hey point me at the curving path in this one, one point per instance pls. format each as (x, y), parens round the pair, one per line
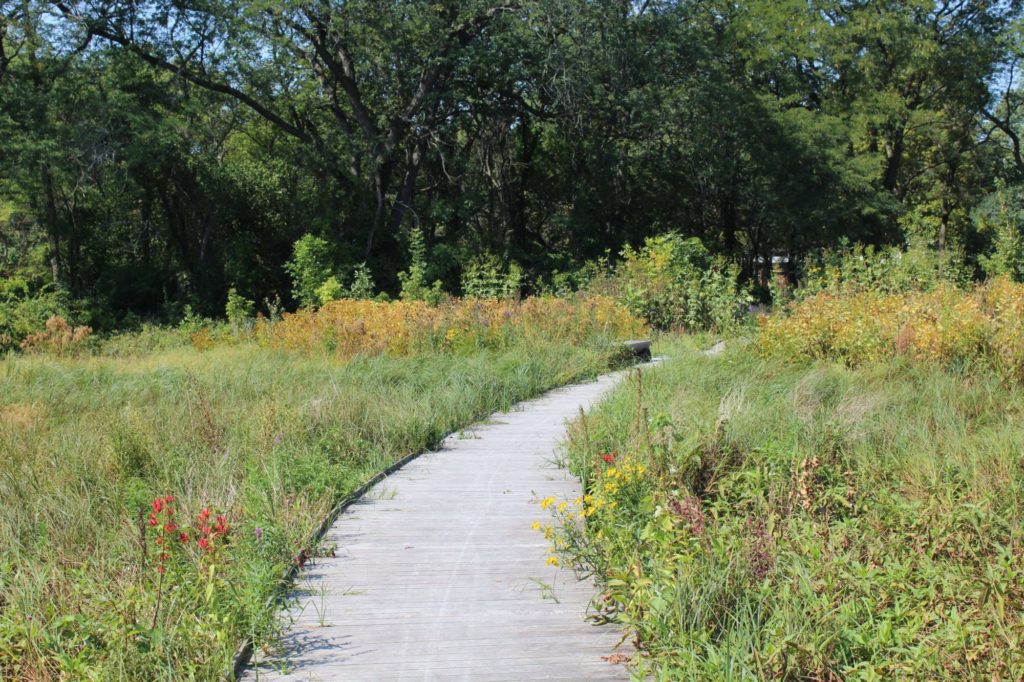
(439, 575)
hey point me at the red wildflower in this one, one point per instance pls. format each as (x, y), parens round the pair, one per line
(152, 520)
(204, 544)
(158, 505)
(170, 528)
(159, 569)
(608, 458)
(221, 526)
(183, 538)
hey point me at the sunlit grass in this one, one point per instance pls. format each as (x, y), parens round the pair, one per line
(808, 521)
(270, 439)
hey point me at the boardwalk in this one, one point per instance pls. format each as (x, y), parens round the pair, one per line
(439, 575)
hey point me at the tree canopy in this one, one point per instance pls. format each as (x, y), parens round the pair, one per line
(156, 154)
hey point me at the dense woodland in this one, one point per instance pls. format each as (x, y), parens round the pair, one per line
(154, 155)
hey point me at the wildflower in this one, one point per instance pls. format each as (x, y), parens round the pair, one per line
(552, 561)
(152, 520)
(608, 458)
(547, 502)
(259, 534)
(183, 538)
(536, 525)
(204, 544)
(562, 506)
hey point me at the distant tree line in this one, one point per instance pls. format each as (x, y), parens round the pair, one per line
(156, 154)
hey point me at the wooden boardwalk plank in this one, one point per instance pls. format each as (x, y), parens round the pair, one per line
(438, 574)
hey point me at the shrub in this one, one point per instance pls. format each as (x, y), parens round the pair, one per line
(330, 290)
(58, 337)
(22, 313)
(362, 285)
(485, 277)
(414, 280)
(673, 282)
(309, 267)
(240, 311)
(889, 270)
(943, 326)
(1000, 216)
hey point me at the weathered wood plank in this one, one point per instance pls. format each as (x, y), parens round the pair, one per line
(438, 574)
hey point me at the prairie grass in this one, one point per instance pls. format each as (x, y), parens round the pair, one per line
(93, 581)
(751, 518)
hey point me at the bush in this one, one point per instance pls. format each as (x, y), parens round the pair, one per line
(485, 277)
(888, 270)
(58, 337)
(330, 290)
(362, 285)
(674, 282)
(240, 311)
(22, 314)
(309, 267)
(1000, 216)
(414, 280)
(945, 326)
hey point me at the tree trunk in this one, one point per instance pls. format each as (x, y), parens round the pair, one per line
(52, 228)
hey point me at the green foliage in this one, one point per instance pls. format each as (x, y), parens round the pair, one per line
(362, 285)
(674, 282)
(239, 310)
(330, 290)
(486, 277)
(269, 440)
(309, 267)
(414, 280)
(145, 186)
(806, 521)
(22, 313)
(1000, 217)
(887, 270)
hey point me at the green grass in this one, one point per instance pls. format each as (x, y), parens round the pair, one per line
(270, 440)
(808, 521)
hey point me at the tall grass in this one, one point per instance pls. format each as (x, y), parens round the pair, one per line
(807, 521)
(268, 439)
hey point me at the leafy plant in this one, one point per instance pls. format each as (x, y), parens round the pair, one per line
(674, 282)
(239, 310)
(414, 280)
(748, 518)
(330, 290)
(362, 285)
(309, 267)
(486, 277)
